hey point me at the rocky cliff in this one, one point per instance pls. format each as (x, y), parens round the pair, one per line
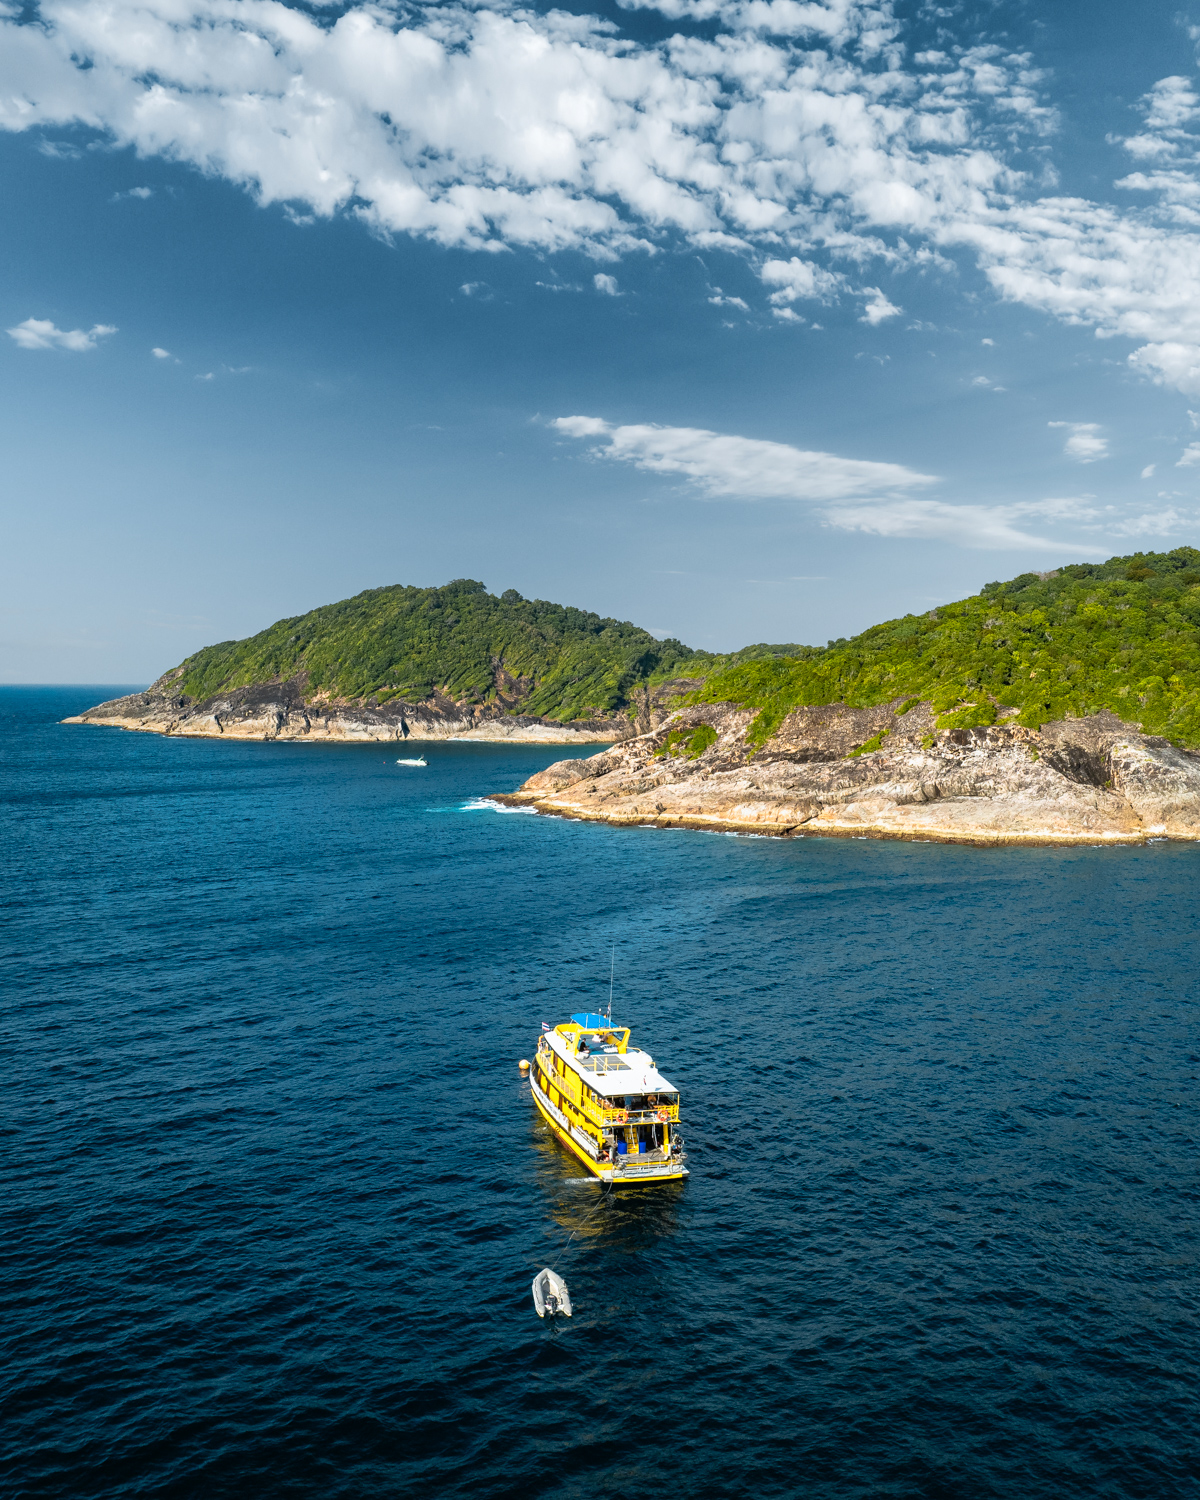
(283, 711)
(886, 772)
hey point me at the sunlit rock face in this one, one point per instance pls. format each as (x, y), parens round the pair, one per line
(880, 773)
(278, 711)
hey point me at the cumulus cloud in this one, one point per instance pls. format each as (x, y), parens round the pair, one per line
(1148, 471)
(40, 333)
(799, 132)
(724, 466)
(1171, 363)
(606, 284)
(1189, 457)
(1085, 443)
(878, 307)
(797, 278)
(161, 353)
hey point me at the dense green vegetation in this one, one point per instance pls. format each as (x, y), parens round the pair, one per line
(458, 640)
(688, 741)
(1122, 635)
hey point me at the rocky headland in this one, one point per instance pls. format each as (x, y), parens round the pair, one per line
(1057, 707)
(885, 772)
(282, 711)
(401, 663)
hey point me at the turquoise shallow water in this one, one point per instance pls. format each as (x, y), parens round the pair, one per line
(274, 1193)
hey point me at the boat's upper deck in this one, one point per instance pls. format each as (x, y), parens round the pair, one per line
(602, 1055)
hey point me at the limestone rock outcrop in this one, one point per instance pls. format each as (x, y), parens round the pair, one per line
(281, 711)
(1091, 780)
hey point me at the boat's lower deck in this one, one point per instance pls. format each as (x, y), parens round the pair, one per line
(652, 1166)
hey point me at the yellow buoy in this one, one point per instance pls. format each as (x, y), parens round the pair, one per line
(524, 1066)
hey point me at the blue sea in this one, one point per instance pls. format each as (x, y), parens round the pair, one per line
(274, 1192)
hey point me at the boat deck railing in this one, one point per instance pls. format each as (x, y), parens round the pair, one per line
(638, 1116)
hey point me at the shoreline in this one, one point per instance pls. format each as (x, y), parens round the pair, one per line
(1010, 839)
(885, 772)
(484, 734)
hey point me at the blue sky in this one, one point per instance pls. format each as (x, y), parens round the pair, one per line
(743, 319)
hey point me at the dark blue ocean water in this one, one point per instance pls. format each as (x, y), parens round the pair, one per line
(274, 1193)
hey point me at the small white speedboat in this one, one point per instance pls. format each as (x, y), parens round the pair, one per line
(550, 1294)
(420, 761)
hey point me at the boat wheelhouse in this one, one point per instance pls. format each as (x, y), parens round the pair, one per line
(607, 1102)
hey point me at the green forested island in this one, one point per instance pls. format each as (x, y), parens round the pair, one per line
(1122, 635)
(456, 642)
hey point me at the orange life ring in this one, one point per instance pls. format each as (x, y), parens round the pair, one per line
(620, 1116)
(664, 1115)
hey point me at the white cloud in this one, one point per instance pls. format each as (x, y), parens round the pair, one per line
(1085, 443)
(798, 132)
(1189, 457)
(878, 307)
(1058, 508)
(1148, 471)
(986, 527)
(40, 333)
(797, 278)
(1170, 363)
(724, 466)
(845, 493)
(1159, 523)
(989, 527)
(606, 284)
(161, 353)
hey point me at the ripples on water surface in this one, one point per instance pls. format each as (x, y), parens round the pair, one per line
(275, 1194)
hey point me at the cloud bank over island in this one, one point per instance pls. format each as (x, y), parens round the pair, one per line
(808, 137)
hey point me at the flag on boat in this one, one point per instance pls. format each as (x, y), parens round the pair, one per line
(546, 1026)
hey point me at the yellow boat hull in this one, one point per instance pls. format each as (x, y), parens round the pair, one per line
(629, 1174)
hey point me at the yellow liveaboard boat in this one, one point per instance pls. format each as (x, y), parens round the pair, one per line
(607, 1102)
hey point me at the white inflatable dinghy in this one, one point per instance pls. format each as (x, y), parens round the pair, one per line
(550, 1294)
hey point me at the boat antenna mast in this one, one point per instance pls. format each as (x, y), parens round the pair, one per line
(612, 969)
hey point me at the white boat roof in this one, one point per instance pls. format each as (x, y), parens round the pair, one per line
(611, 1073)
